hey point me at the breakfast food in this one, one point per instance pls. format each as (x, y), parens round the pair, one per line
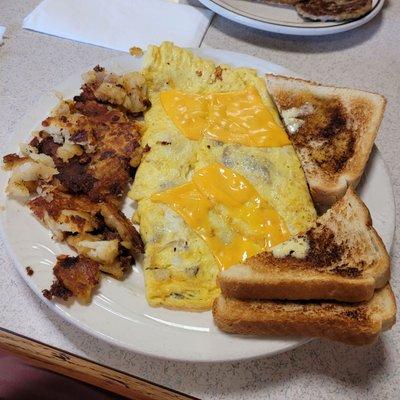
(76, 276)
(208, 185)
(333, 10)
(221, 190)
(341, 257)
(74, 175)
(327, 10)
(351, 323)
(330, 282)
(332, 129)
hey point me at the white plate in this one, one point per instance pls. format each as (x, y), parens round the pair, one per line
(119, 312)
(281, 18)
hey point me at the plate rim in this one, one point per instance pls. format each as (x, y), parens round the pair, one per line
(10, 146)
(275, 27)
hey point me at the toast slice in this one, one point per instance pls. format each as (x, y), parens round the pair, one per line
(350, 323)
(333, 10)
(332, 129)
(341, 257)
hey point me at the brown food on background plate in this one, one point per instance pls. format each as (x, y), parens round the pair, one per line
(333, 10)
(326, 10)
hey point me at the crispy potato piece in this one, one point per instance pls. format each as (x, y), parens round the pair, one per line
(128, 91)
(114, 219)
(105, 252)
(62, 212)
(27, 171)
(78, 274)
(111, 178)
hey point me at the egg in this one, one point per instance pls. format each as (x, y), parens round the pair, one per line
(183, 259)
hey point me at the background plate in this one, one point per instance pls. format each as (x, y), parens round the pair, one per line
(281, 18)
(119, 312)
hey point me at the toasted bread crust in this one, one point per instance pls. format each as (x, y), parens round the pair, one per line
(340, 289)
(343, 262)
(356, 324)
(335, 141)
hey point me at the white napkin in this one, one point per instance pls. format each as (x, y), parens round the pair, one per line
(2, 30)
(120, 24)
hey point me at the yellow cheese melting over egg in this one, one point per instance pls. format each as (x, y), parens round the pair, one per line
(217, 185)
(230, 117)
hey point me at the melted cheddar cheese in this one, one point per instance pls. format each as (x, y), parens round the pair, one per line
(218, 186)
(230, 117)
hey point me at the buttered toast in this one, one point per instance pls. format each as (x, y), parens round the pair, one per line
(332, 129)
(333, 10)
(341, 257)
(351, 323)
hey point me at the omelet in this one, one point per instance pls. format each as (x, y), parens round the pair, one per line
(209, 193)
